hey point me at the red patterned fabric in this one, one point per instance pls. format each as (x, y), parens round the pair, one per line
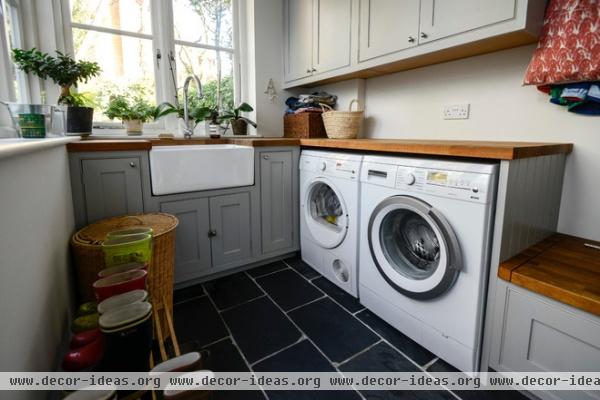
(569, 47)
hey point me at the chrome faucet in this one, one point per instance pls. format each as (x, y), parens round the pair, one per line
(188, 131)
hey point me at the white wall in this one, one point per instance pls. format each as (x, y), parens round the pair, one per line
(409, 105)
(36, 222)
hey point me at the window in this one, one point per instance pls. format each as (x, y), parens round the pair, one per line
(147, 48)
(17, 89)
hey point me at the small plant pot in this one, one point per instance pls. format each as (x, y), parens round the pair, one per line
(239, 127)
(79, 121)
(133, 127)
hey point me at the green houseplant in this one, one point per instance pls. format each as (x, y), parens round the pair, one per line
(239, 123)
(133, 112)
(67, 73)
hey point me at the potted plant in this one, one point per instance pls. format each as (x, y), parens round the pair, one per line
(239, 124)
(67, 73)
(133, 112)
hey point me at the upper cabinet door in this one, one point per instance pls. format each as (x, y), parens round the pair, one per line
(298, 57)
(443, 18)
(331, 34)
(387, 26)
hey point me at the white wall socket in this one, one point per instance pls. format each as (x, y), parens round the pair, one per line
(456, 111)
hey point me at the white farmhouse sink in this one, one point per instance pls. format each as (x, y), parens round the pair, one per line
(190, 168)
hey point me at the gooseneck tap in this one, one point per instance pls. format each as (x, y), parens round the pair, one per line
(188, 130)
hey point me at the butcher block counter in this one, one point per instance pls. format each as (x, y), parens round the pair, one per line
(561, 267)
(452, 148)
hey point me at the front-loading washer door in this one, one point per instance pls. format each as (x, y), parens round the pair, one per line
(414, 247)
(325, 213)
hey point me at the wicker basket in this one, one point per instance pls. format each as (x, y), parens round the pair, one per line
(303, 125)
(89, 257)
(343, 124)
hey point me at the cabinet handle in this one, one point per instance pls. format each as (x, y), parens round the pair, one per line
(423, 35)
(313, 70)
(266, 157)
(411, 39)
(132, 164)
(212, 233)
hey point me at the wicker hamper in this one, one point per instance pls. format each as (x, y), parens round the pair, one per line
(86, 246)
(303, 126)
(343, 124)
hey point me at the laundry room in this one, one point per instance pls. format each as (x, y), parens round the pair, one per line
(299, 199)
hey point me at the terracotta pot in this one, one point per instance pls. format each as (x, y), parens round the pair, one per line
(133, 127)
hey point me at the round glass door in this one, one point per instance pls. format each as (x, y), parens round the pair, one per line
(325, 213)
(414, 247)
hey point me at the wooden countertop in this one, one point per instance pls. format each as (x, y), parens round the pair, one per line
(559, 267)
(454, 148)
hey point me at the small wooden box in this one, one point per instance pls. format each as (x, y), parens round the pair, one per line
(303, 125)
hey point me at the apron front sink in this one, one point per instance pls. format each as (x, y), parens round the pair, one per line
(191, 168)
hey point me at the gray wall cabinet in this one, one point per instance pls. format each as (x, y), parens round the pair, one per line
(220, 231)
(276, 177)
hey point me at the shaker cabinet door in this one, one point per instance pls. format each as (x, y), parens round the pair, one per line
(277, 203)
(230, 229)
(192, 241)
(299, 38)
(387, 26)
(112, 187)
(331, 34)
(440, 19)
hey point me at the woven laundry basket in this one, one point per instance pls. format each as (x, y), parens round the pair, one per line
(343, 124)
(86, 246)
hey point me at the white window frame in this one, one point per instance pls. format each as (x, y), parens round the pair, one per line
(6, 66)
(163, 43)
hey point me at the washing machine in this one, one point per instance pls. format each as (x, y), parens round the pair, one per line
(329, 196)
(426, 228)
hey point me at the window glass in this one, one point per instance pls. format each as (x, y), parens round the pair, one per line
(127, 66)
(14, 40)
(126, 15)
(204, 22)
(206, 64)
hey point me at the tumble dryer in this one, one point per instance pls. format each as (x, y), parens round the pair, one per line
(329, 195)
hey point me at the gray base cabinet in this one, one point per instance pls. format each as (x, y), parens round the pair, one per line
(537, 334)
(192, 242)
(106, 185)
(230, 230)
(219, 230)
(276, 199)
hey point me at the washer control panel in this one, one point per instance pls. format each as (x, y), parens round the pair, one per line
(461, 185)
(340, 168)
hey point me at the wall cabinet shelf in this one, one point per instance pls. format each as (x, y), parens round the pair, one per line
(366, 38)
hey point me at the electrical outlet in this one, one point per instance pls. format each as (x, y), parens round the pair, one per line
(456, 111)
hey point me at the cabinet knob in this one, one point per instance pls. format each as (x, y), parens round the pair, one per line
(308, 71)
(411, 39)
(212, 233)
(132, 164)
(313, 70)
(266, 157)
(423, 35)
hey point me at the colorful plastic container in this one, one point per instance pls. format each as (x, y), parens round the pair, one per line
(119, 283)
(121, 300)
(128, 249)
(141, 230)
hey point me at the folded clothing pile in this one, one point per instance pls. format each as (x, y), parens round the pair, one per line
(580, 97)
(310, 102)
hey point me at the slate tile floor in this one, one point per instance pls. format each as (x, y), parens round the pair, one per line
(285, 316)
